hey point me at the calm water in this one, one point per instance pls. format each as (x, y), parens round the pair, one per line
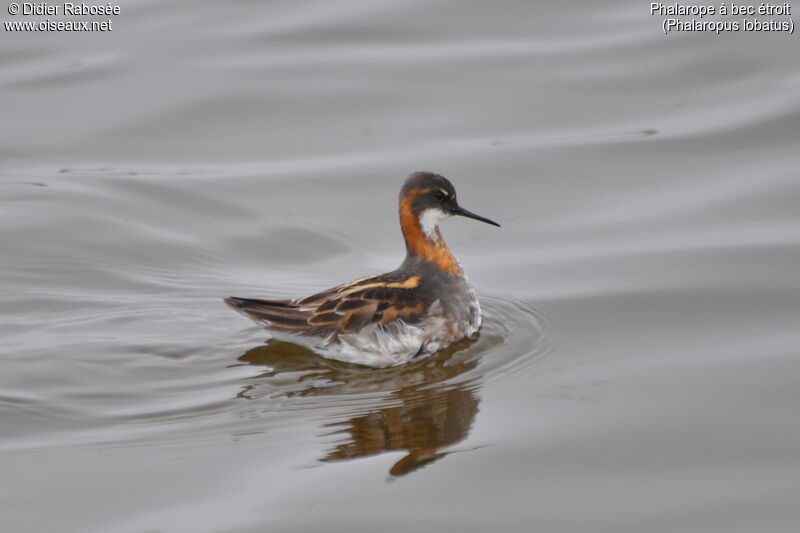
(639, 366)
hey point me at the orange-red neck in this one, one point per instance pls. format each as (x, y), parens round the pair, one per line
(418, 244)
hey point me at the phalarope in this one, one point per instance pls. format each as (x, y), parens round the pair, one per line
(423, 306)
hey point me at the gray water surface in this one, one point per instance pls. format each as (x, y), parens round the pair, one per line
(639, 365)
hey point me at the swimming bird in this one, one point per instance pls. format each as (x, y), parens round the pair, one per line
(424, 305)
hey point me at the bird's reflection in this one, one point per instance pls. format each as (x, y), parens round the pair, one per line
(427, 406)
(424, 424)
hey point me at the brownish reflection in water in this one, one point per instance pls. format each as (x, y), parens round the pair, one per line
(426, 423)
(425, 408)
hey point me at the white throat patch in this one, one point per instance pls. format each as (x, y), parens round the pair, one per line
(430, 221)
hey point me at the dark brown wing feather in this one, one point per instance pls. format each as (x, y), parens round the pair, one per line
(280, 315)
(343, 309)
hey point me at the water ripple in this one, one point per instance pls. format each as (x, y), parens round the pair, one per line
(513, 338)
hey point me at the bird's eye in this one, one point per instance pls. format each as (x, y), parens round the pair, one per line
(440, 195)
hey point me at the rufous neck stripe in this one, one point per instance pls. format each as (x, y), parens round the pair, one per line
(418, 244)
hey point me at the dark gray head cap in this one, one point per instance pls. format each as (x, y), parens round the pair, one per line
(427, 180)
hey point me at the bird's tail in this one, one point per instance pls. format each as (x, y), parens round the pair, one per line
(280, 315)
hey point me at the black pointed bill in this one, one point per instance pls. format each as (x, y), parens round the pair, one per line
(469, 214)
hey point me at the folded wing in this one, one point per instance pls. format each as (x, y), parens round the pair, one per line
(346, 308)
